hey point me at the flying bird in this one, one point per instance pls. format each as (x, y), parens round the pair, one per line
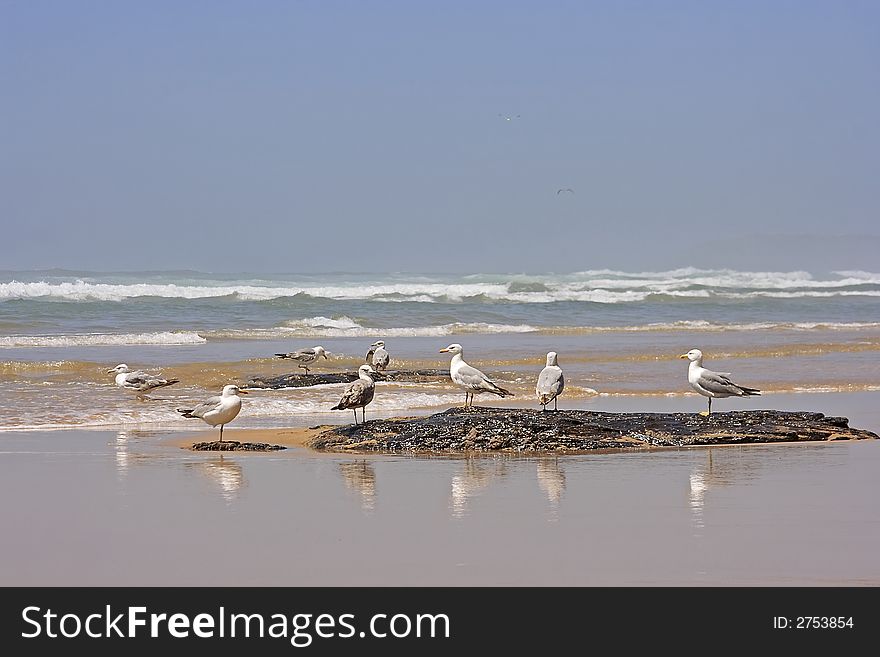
(561, 190)
(378, 356)
(305, 357)
(713, 384)
(550, 383)
(358, 394)
(139, 381)
(470, 378)
(220, 410)
(508, 118)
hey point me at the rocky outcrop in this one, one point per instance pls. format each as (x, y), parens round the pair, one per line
(526, 430)
(297, 380)
(234, 446)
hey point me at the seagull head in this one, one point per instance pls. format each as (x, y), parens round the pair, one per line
(231, 390)
(378, 344)
(119, 369)
(368, 371)
(321, 352)
(454, 348)
(694, 355)
(551, 358)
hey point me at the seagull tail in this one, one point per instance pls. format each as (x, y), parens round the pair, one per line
(283, 355)
(169, 382)
(545, 399)
(749, 392)
(501, 392)
(186, 412)
(338, 407)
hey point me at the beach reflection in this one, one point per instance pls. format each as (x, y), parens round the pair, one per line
(360, 477)
(551, 479)
(124, 456)
(471, 481)
(225, 473)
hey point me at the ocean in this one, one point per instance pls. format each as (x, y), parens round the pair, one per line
(618, 336)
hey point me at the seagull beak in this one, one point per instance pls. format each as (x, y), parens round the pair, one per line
(111, 371)
(683, 356)
(443, 351)
(242, 392)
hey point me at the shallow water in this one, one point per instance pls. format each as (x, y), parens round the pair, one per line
(126, 508)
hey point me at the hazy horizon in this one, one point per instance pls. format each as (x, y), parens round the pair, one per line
(393, 137)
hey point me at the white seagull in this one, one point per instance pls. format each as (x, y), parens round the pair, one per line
(378, 356)
(217, 410)
(139, 381)
(713, 384)
(359, 393)
(550, 382)
(305, 357)
(470, 378)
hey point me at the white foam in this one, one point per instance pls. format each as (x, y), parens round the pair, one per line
(103, 339)
(598, 286)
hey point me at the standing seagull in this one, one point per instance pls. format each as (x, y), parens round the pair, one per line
(550, 382)
(305, 357)
(139, 381)
(470, 378)
(217, 410)
(377, 356)
(358, 394)
(712, 384)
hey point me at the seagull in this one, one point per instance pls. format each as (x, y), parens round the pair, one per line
(305, 357)
(218, 410)
(377, 356)
(564, 189)
(358, 394)
(139, 381)
(713, 384)
(470, 378)
(508, 118)
(550, 382)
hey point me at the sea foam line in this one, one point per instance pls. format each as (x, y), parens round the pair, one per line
(103, 339)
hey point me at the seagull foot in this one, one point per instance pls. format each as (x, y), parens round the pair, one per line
(704, 413)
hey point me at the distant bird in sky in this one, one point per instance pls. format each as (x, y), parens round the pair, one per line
(508, 118)
(568, 190)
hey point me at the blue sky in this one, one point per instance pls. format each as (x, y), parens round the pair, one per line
(371, 136)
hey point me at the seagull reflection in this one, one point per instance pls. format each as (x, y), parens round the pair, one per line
(469, 483)
(227, 474)
(551, 479)
(360, 477)
(122, 455)
(125, 458)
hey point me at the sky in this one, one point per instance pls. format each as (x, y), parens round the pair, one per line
(312, 136)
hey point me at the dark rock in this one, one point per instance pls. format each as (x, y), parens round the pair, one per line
(234, 446)
(302, 380)
(526, 430)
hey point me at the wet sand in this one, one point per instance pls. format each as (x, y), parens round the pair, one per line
(126, 508)
(131, 507)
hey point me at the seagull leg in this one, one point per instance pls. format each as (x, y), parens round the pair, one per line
(354, 410)
(221, 433)
(556, 403)
(709, 412)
